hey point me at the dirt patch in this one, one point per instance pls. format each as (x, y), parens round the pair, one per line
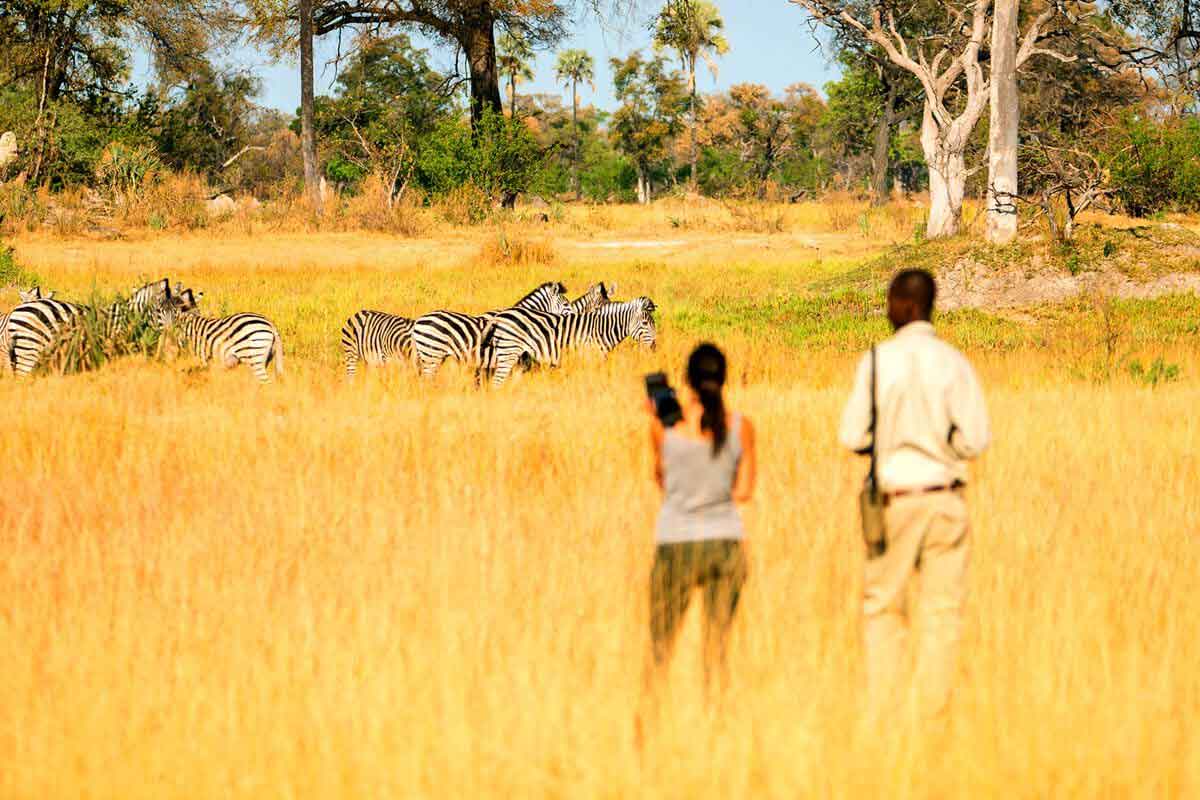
(970, 284)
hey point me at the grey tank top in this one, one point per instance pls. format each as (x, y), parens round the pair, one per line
(698, 488)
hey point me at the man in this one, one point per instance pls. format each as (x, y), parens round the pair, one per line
(930, 420)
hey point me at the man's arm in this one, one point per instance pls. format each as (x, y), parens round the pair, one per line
(855, 432)
(969, 429)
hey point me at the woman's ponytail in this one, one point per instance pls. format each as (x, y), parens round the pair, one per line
(706, 375)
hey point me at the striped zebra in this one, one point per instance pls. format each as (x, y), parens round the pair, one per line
(542, 338)
(25, 295)
(376, 338)
(449, 334)
(34, 326)
(236, 339)
(594, 298)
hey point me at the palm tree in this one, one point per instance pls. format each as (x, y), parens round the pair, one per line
(513, 62)
(692, 28)
(575, 67)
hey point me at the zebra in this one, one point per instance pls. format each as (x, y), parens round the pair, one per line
(376, 337)
(594, 298)
(34, 326)
(25, 295)
(519, 333)
(449, 334)
(236, 339)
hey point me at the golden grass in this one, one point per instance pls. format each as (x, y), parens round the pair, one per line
(321, 589)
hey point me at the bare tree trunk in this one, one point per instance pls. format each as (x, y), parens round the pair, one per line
(512, 91)
(947, 177)
(1005, 126)
(479, 44)
(879, 154)
(575, 138)
(693, 183)
(308, 136)
(643, 188)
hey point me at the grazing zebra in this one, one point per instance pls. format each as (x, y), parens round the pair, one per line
(237, 339)
(34, 326)
(594, 298)
(518, 333)
(376, 338)
(449, 334)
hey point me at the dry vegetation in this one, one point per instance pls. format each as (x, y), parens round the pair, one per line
(315, 589)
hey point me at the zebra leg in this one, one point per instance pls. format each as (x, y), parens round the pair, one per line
(504, 367)
(351, 358)
(24, 356)
(430, 366)
(259, 367)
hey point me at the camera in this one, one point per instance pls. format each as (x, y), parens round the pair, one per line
(666, 404)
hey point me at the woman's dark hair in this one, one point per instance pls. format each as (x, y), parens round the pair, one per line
(706, 374)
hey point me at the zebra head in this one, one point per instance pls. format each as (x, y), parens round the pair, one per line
(155, 293)
(595, 298)
(641, 323)
(550, 297)
(166, 314)
(34, 293)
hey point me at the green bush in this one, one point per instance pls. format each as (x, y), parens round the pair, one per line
(12, 273)
(1155, 165)
(499, 157)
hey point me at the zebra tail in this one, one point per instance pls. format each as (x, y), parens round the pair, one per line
(278, 347)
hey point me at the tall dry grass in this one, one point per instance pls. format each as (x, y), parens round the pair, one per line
(386, 588)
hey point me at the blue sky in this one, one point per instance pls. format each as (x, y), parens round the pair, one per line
(769, 43)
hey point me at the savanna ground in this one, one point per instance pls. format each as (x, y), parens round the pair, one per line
(322, 589)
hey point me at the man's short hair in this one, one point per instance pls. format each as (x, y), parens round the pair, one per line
(917, 286)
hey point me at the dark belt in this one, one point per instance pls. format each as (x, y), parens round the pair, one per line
(949, 487)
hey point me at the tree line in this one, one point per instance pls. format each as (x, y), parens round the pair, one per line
(1048, 105)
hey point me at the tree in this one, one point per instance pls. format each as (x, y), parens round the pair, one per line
(513, 61)
(951, 70)
(652, 101)
(471, 25)
(78, 52)
(1004, 129)
(389, 102)
(575, 67)
(692, 28)
(308, 136)
(208, 121)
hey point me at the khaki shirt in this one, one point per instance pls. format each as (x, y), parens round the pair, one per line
(931, 414)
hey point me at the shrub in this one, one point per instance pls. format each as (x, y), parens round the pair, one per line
(500, 157)
(12, 273)
(503, 250)
(1154, 165)
(88, 345)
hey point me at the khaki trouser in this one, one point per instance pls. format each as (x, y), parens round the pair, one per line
(719, 568)
(927, 535)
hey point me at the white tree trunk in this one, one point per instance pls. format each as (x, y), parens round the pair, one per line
(947, 177)
(643, 188)
(1005, 126)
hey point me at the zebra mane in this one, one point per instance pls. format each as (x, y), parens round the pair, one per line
(549, 286)
(636, 304)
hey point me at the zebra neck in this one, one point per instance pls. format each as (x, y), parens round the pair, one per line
(193, 330)
(606, 330)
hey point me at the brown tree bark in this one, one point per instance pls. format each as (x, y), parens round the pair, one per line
(879, 153)
(308, 136)
(478, 42)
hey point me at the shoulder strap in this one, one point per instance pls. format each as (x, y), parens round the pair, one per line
(874, 416)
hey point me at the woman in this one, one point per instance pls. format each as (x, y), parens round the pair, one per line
(705, 463)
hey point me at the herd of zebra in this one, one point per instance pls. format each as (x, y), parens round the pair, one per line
(33, 328)
(538, 328)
